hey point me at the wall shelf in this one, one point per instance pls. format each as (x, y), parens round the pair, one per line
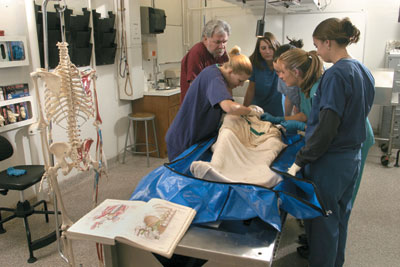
(5, 61)
(31, 112)
(16, 125)
(14, 53)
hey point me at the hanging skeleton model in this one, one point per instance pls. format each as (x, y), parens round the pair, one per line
(68, 104)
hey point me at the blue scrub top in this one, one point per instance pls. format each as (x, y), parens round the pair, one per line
(291, 92)
(306, 103)
(347, 88)
(266, 93)
(199, 116)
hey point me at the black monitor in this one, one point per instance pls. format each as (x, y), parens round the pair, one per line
(153, 20)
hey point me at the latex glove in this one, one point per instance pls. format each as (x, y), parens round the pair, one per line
(256, 111)
(292, 126)
(15, 172)
(268, 117)
(294, 169)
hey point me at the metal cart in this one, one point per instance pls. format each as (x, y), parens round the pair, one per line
(387, 97)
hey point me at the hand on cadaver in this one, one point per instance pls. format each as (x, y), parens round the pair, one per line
(268, 117)
(256, 111)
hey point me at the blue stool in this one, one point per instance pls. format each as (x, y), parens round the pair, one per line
(134, 118)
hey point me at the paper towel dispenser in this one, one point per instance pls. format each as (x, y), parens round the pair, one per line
(153, 20)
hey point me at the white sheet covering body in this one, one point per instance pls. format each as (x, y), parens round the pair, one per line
(243, 152)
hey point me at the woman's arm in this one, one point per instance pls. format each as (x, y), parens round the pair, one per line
(248, 97)
(297, 117)
(234, 108)
(321, 139)
(288, 106)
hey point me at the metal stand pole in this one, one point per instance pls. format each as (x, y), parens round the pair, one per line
(46, 66)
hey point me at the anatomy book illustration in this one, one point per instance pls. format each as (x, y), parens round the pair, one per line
(157, 225)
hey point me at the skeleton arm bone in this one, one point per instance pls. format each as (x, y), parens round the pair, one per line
(42, 124)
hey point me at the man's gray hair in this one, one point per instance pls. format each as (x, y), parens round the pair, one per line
(216, 27)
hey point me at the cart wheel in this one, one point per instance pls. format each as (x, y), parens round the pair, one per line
(385, 160)
(384, 147)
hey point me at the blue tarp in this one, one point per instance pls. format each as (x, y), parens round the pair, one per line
(226, 201)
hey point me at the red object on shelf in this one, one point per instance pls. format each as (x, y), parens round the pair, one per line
(1, 33)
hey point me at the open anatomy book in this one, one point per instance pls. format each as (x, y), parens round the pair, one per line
(157, 225)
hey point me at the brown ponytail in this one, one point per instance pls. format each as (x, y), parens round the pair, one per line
(342, 31)
(308, 63)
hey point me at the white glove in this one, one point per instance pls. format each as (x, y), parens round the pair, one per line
(256, 111)
(293, 169)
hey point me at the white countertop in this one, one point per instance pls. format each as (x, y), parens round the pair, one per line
(384, 94)
(383, 78)
(169, 92)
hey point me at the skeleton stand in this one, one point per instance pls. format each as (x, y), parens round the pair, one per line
(67, 103)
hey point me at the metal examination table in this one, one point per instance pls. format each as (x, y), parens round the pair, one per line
(229, 243)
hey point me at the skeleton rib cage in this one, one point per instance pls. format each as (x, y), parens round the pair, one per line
(68, 104)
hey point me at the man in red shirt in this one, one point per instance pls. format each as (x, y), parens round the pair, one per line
(210, 50)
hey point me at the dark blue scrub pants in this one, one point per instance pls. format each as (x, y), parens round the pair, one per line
(334, 175)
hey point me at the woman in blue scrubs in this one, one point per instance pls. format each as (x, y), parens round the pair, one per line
(208, 97)
(291, 94)
(335, 131)
(262, 90)
(302, 69)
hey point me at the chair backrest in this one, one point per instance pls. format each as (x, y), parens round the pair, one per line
(6, 149)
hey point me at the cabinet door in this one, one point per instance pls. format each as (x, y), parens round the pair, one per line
(172, 111)
(173, 107)
(394, 62)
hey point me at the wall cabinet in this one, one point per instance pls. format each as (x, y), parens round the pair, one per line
(173, 33)
(165, 108)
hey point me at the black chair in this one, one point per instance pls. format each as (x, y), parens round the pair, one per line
(24, 209)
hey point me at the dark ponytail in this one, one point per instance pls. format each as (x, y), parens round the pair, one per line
(293, 43)
(297, 43)
(342, 31)
(350, 30)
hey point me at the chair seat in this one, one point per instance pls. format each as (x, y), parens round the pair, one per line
(141, 116)
(32, 176)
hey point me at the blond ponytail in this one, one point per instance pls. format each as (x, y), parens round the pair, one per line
(238, 62)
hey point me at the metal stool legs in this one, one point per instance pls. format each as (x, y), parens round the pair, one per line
(147, 143)
(134, 118)
(126, 141)
(155, 137)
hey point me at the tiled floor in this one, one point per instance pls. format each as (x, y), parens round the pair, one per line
(373, 237)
